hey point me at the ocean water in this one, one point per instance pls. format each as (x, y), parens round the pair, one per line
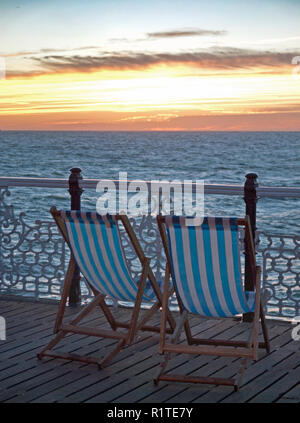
(215, 157)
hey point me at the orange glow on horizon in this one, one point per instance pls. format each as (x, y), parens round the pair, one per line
(156, 98)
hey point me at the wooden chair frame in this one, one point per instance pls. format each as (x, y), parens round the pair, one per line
(124, 338)
(216, 347)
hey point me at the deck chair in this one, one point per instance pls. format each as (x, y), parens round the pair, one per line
(96, 248)
(204, 263)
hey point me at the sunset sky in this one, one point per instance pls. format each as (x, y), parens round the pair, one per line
(150, 65)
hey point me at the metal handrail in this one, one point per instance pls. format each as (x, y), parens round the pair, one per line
(218, 189)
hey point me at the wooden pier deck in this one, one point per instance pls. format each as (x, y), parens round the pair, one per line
(129, 378)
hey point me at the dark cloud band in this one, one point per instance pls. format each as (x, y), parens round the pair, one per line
(185, 33)
(221, 59)
(226, 58)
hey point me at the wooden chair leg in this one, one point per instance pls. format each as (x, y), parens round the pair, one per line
(187, 328)
(240, 374)
(148, 316)
(174, 340)
(159, 296)
(64, 295)
(167, 355)
(107, 313)
(138, 301)
(264, 329)
(241, 371)
(164, 304)
(87, 309)
(112, 354)
(259, 314)
(74, 322)
(152, 312)
(52, 343)
(179, 326)
(162, 368)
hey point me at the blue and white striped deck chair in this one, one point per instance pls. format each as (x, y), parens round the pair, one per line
(97, 250)
(204, 262)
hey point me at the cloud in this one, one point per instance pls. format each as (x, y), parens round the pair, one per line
(48, 50)
(190, 32)
(213, 59)
(185, 33)
(24, 74)
(225, 58)
(114, 121)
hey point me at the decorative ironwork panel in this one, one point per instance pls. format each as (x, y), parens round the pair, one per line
(280, 259)
(146, 230)
(32, 257)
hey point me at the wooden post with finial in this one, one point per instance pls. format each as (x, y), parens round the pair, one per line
(75, 193)
(250, 198)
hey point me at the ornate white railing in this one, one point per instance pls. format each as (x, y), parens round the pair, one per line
(279, 256)
(33, 257)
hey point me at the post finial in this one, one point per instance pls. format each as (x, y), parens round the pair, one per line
(74, 189)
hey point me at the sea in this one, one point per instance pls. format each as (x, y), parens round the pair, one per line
(215, 157)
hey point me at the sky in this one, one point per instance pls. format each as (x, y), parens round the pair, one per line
(150, 65)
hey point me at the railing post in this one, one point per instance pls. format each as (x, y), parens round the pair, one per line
(250, 198)
(75, 193)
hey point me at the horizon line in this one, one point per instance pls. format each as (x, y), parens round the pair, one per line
(151, 130)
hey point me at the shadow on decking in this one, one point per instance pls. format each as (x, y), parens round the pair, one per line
(129, 378)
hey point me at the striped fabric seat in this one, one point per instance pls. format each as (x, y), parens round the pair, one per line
(96, 245)
(96, 249)
(205, 261)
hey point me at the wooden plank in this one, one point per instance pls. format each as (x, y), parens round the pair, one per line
(254, 371)
(34, 373)
(133, 364)
(200, 366)
(23, 309)
(264, 373)
(16, 389)
(259, 384)
(180, 363)
(292, 394)
(62, 377)
(10, 351)
(289, 381)
(289, 400)
(93, 347)
(129, 378)
(206, 367)
(10, 306)
(117, 372)
(216, 394)
(53, 392)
